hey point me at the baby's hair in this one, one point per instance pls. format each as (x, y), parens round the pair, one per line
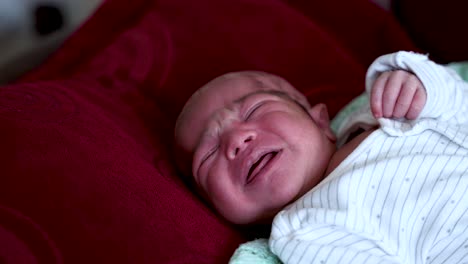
(256, 76)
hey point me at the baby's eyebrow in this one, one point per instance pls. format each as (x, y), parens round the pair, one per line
(272, 92)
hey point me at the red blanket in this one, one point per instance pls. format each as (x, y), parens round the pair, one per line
(86, 174)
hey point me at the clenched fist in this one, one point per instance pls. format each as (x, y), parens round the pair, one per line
(397, 94)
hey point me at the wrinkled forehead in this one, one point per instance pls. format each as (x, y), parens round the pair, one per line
(224, 92)
(227, 88)
(219, 93)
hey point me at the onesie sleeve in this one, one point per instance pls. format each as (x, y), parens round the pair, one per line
(447, 93)
(297, 241)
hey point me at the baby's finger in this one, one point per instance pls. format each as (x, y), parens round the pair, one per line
(391, 92)
(376, 94)
(405, 98)
(419, 100)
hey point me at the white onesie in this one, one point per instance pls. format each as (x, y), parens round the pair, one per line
(402, 195)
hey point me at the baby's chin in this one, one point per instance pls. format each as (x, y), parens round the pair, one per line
(258, 216)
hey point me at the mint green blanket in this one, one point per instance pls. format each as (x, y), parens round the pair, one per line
(257, 251)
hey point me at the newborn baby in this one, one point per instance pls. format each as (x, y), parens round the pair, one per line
(393, 190)
(255, 144)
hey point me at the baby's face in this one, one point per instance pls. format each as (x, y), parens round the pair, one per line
(253, 149)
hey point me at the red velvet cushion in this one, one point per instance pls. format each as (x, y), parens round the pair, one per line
(86, 173)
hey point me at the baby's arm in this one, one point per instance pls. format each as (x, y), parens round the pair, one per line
(445, 97)
(298, 238)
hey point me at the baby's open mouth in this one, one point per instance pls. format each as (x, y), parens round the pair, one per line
(258, 166)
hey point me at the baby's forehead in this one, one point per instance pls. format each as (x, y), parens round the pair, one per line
(230, 88)
(225, 91)
(235, 83)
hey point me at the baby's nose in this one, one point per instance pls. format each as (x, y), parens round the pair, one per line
(238, 140)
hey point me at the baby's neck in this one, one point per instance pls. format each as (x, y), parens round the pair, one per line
(341, 153)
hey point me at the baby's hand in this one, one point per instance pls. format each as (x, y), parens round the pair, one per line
(397, 94)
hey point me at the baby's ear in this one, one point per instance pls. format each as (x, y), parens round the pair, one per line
(319, 114)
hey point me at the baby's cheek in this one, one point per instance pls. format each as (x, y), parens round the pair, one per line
(220, 191)
(282, 190)
(232, 206)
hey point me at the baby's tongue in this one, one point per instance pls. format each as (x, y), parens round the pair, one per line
(260, 164)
